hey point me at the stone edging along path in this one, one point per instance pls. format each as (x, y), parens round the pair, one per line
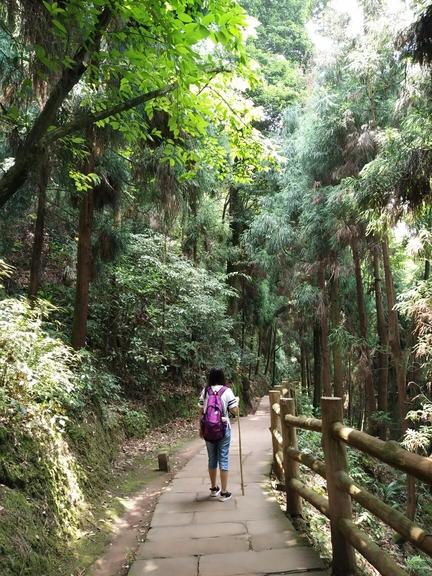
(193, 535)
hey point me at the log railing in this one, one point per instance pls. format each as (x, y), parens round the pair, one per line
(341, 488)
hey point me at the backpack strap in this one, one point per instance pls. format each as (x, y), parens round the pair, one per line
(218, 393)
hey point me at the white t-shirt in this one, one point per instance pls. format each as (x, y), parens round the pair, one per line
(228, 401)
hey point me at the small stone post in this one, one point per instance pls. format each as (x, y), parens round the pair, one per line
(163, 461)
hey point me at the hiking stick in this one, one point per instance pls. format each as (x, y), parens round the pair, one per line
(240, 452)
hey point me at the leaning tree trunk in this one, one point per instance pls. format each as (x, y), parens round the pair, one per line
(370, 404)
(338, 371)
(323, 314)
(38, 241)
(383, 359)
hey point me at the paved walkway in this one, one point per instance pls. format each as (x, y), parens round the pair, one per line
(191, 535)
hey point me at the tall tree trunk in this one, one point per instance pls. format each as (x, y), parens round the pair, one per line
(350, 390)
(84, 267)
(308, 373)
(394, 338)
(370, 403)
(257, 365)
(325, 354)
(338, 372)
(234, 206)
(117, 217)
(269, 348)
(252, 340)
(302, 361)
(382, 328)
(416, 366)
(274, 355)
(38, 241)
(399, 362)
(317, 379)
(85, 256)
(243, 320)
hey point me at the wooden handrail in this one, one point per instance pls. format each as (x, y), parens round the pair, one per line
(393, 518)
(389, 452)
(340, 486)
(304, 422)
(380, 559)
(308, 460)
(320, 502)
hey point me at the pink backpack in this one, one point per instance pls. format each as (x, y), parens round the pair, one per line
(212, 426)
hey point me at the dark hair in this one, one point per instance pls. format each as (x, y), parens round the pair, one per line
(216, 377)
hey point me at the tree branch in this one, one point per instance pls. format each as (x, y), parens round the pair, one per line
(27, 154)
(88, 119)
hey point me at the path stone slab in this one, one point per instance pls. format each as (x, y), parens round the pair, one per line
(173, 498)
(180, 519)
(207, 505)
(284, 539)
(267, 561)
(236, 515)
(185, 485)
(258, 502)
(193, 547)
(266, 526)
(197, 531)
(165, 567)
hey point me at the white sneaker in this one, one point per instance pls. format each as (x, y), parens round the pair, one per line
(223, 496)
(214, 492)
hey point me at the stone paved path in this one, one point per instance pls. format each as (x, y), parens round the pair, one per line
(193, 535)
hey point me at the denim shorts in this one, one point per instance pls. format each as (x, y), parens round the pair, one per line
(218, 451)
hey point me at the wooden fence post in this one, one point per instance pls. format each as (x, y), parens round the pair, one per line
(339, 501)
(286, 386)
(279, 388)
(274, 396)
(291, 467)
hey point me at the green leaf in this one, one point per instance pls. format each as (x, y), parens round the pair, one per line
(59, 27)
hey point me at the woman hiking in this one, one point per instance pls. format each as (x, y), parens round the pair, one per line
(217, 401)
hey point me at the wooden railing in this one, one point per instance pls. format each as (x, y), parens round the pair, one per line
(341, 488)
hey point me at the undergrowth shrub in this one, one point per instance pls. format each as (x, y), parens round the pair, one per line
(56, 438)
(135, 423)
